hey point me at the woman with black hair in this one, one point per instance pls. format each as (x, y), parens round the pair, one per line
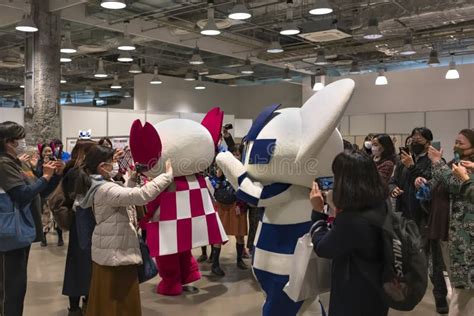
(115, 248)
(25, 194)
(354, 245)
(383, 152)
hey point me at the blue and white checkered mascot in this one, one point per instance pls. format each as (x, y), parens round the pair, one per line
(285, 150)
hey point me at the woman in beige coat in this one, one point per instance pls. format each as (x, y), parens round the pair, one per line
(114, 289)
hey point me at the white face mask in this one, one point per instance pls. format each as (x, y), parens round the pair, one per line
(21, 148)
(115, 170)
(368, 144)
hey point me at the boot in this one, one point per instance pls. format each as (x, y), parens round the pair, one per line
(44, 241)
(216, 267)
(60, 237)
(240, 263)
(442, 306)
(76, 312)
(203, 257)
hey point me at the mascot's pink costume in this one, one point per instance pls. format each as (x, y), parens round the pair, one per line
(182, 217)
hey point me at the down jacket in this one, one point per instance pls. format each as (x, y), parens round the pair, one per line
(115, 241)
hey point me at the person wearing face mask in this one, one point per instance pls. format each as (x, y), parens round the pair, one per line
(460, 260)
(367, 148)
(23, 191)
(383, 152)
(115, 249)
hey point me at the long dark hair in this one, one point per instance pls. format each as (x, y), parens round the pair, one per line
(10, 131)
(357, 183)
(469, 134)
(387, 145)
(96, 155)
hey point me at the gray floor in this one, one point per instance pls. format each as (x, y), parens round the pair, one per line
(237, 294)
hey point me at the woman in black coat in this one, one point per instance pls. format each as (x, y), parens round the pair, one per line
(352, 243)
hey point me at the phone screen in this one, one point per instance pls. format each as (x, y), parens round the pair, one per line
(436, 145)
(325, 183)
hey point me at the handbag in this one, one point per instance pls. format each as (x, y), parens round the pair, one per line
(85, 225)
(62, 213)
(225, 193)
(17, 228)
(310, 275)
(148, 269)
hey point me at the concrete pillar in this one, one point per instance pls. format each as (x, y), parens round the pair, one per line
(44, 89)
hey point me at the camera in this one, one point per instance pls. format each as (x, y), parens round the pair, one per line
(228, 126)
(140, 168)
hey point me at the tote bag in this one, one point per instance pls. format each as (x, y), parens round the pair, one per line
(310, 275)
(147, 270)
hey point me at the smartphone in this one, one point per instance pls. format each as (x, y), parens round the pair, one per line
(404, 149)
(457, 157)
(126, 161)
(436, 145)
(325, 183)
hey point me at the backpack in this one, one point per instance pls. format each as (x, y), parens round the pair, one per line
(17, 227)
(225, 193)
(405, 270)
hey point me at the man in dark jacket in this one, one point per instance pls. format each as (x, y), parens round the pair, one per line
(414, 164)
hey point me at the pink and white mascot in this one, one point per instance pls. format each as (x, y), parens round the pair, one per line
(183, 217)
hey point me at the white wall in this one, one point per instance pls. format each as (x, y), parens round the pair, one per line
(177, 95)
(12, 114)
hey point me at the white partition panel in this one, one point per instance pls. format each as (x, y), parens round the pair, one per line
(74, 119)
(120, 121)
(365, 124)
(198, 117)
(404, 123)
(12, 114)
(471, 118)
(445, 126)
(154, 118)
(344, 126)
(242, 127)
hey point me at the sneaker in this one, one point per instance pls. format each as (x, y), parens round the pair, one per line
(202, 258)
(242, 265)
(44, 243)
(217, 271)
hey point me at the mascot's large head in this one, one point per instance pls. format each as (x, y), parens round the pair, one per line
(296, 145)
(190, 145)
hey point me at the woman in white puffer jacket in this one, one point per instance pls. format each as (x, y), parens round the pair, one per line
(116, 253)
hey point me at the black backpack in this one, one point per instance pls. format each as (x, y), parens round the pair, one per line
(225, 193)
(405, 270)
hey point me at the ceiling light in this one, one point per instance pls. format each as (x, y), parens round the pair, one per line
(65, 59)
(210, 28)
(127, 95)
(156, 79)
(408, 47)
(22, 86)
(286, 74)
(320, 80)
(321, 59)
(125, 58)
(240, 12)
(321, 7)
(100, 73)
(373, 32)
(381, 79)
(203, 71)
(355, 69)
(126, 43)
(113, 4)
(26, 25)
(196, 59)
(199, 85)
(290, 28)
(135, 69)
(63, 80)
(434, 60)
(68, 98)
(452, 72)
(66, 45)
(189, 76)
(232, 83)
(275, 48)
(116, 84)
(247, 68)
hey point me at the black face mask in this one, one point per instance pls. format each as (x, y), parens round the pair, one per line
(417, 148)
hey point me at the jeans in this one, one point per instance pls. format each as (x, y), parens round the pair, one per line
(13, 280)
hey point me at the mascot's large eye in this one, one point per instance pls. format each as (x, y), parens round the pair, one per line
(262, 151)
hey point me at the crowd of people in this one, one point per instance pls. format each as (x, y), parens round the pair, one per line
(98, 200)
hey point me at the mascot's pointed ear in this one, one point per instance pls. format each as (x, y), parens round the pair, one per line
(213, 122)
(145, 144)
(321, 114)
(40, 149)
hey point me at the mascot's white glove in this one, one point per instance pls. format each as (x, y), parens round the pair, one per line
(231, 167)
